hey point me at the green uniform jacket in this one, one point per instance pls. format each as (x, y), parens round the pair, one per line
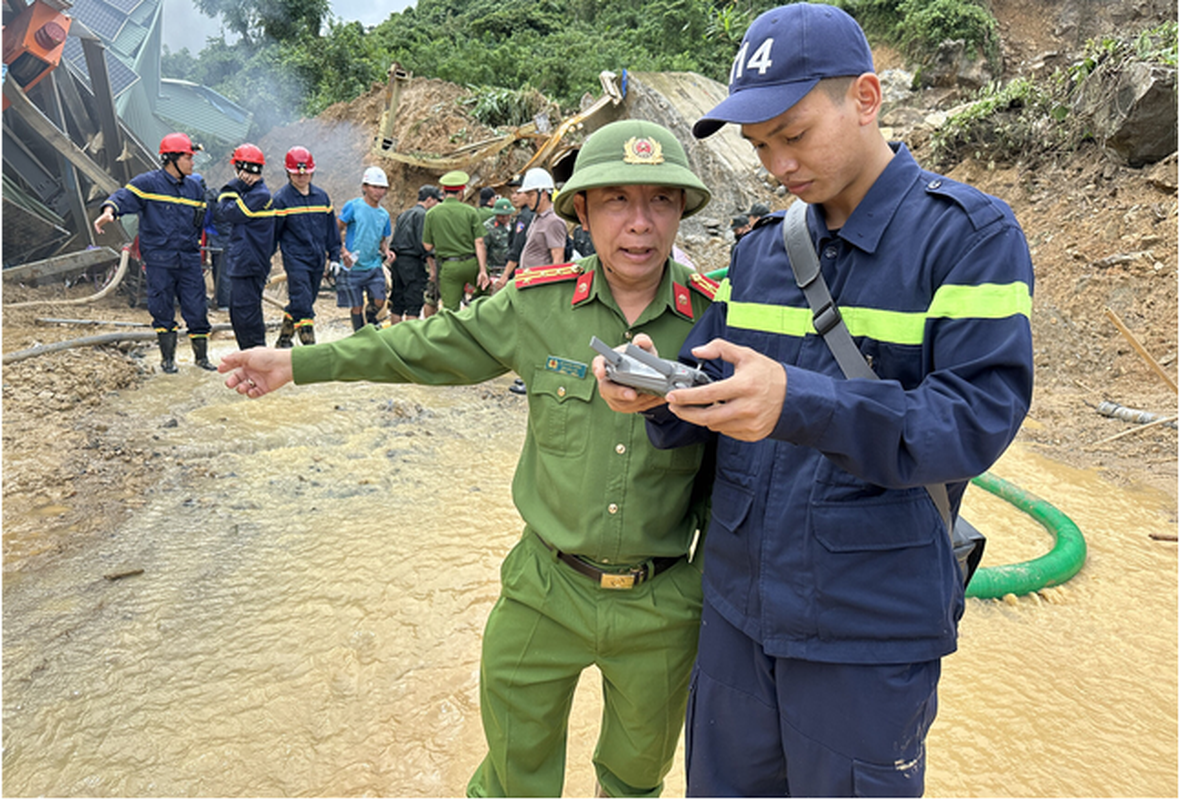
(588, 480)
(497, 238)
(452, 227)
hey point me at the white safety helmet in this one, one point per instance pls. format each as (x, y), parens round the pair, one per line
(537, 178)
(375, 176)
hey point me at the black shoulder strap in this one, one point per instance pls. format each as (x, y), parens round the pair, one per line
(825, 316)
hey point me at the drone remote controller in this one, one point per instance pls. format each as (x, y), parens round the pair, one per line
(639, 369)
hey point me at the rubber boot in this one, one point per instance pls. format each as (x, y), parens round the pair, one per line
(286, 332)
(358, 321)
(201, 353)
(167, 350)
(307, 333)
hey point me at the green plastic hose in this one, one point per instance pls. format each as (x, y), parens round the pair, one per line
(1055, 567)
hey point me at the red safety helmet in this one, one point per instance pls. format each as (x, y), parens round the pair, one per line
(177, 143)
(299, 160)
(248, 157)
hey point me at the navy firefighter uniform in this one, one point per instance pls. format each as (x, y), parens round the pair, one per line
(825, 555)
(171, 214)
(248, 209)
(305, 229)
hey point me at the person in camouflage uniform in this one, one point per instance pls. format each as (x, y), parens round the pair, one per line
(499, 236)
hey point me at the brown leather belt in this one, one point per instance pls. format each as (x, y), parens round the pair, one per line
(628, 579)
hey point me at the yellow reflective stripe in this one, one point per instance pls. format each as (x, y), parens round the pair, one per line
(786, 320)
(163, 198)
(986, 301)
(266, 212)
(723, 291)
(283, 212)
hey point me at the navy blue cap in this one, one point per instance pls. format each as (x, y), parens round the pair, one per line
(784, 54)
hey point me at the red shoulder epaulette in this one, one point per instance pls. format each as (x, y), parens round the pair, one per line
(704, 284)
(535, 276)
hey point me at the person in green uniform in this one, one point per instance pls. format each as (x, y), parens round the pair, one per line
(498, 237)
(453, 233)
(602, 573)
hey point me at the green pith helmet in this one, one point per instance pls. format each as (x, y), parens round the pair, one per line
(503, 206)
(631, 152)
(454, 180)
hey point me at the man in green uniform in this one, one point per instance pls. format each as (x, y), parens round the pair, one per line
(453, 233)
(498, 237)
(601, 574)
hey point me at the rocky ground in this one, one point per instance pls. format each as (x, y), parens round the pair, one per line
(1103, 238)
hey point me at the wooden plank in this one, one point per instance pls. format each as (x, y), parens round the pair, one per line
(57, 266)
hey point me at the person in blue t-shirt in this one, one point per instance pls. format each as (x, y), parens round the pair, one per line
(365, 230)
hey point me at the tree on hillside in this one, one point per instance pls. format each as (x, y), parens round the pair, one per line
(278, 20)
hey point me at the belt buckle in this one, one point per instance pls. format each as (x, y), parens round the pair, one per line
(623, 580)
(613, 580)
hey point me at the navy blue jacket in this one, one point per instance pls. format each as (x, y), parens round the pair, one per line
(171, 213)
(824, 544)
(305, 228)
(248, 209)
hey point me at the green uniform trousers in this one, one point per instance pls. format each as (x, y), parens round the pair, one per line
(453, 276)
(549, 624)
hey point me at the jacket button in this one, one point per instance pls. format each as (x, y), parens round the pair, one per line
(561, 391)
(613, 508)
(620, 448)
(934, 184)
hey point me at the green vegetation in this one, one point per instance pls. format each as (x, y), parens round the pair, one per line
(1002, 122)
(286, 63)
(918, 27)
(521, 57)
(496, 107)
(1028, 121)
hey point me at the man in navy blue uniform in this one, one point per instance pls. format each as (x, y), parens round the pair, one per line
(246, 204)
(305, 230)
(831, 589)
(170, 203)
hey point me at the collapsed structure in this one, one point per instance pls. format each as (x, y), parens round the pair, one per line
(84, 106)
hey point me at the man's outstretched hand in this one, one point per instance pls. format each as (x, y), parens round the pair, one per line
(257, 371)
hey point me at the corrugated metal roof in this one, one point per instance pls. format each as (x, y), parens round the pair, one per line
(202, 112)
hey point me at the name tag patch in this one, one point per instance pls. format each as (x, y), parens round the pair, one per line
(565, 366)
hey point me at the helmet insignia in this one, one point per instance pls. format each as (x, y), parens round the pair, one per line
(642, 150)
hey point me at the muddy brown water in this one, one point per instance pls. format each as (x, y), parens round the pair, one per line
(317, 567)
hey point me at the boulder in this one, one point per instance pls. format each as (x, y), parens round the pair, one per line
(1131, 110)
(953, 67)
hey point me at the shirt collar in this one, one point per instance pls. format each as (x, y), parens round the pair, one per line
(665, 299)
(872, 215)
(174, 181)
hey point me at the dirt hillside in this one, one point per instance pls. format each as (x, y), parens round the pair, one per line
(1103, 236)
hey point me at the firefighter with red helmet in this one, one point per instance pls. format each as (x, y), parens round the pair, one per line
(245, 203)
(170, 204)
(306, 232)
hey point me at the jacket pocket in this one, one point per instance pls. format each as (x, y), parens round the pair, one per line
(731, 505)
(878, 569)
(559, 411)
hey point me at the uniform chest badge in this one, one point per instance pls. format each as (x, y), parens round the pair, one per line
(565, 366)
(641, 150)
